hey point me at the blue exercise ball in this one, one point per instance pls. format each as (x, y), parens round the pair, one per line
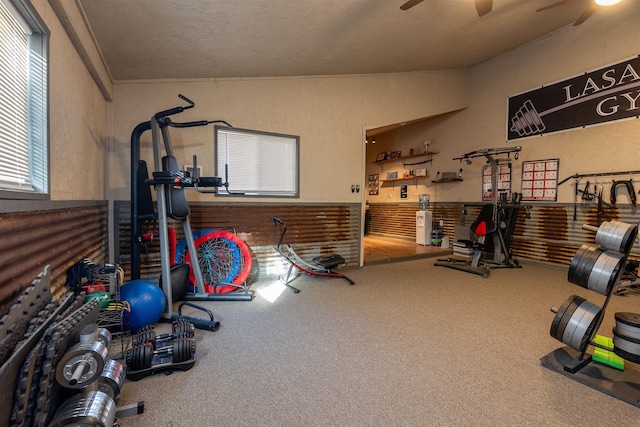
(147, 303)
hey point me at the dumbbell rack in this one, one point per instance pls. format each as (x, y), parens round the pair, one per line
(112, 318)
(574, 362)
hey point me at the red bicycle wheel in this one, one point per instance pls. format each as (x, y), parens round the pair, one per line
(224, 252)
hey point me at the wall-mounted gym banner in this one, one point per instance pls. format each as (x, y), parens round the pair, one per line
(604, 95)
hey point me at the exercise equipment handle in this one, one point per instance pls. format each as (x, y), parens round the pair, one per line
(175, 110)
(590, 228)
(276, 221)
(171, 123)
(186, 124)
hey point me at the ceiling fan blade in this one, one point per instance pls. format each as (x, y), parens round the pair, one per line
(552, 5)
(410, 4)
(483, 6)
(586, 14)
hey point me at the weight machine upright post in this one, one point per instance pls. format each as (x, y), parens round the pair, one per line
(135, 203)
(162, 220)
(497, 248)
(158, 130)
(197, 272)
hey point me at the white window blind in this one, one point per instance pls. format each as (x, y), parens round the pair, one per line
(14, 150)
(23, 124)
(257, 163)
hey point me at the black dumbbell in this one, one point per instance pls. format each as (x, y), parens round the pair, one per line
(141, 356)
(180, 329)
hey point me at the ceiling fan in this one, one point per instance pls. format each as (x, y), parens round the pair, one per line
(593, 6)
(482, 6)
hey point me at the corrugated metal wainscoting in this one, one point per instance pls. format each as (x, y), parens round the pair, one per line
(59, 237)
(312, 230)
(399, 219)
(549, 236)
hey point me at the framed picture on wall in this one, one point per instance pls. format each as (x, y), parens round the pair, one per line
(382, 156)
(540, 180)
(374, 182)
(395, 154)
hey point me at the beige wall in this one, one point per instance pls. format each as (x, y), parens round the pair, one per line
(328, 113)
(78, 120)
(602, 40)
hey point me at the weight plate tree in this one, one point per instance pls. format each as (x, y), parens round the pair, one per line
(598, 267)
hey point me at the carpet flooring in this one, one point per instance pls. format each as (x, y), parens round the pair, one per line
(410, 344)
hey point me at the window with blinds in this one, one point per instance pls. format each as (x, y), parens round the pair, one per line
(257, 163)
(23, 102)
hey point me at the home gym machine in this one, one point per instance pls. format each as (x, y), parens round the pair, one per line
(169, 183)
(599, 268)
(496, 219)
(323, 265)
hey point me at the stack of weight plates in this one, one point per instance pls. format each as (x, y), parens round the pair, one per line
(595, 268)
(575, 322)
(626, 336)
(617, 236)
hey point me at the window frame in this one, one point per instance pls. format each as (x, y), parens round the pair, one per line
(38, 112)
(220, 171)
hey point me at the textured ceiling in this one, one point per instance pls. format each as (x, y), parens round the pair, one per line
(167, 39)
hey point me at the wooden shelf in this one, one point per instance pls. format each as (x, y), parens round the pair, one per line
(411, 156)
(439, 181)
(404, 179)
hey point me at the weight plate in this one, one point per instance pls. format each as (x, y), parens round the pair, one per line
(563, 315)
(89, 333)
(629, 238)
(104, 336)
(617, 236)
(144, 336)
(609, 235)
(628, 324)
(191, 349)
(582, 264)
(626, 347)
(81, 365)
(129, 356)
(575, 262)
(145, 356)
(582, 276)
(183, 327)
(605, 272)
(581, 324)
(180, 350)
(96, 409)
(112, 379)
(604, 233)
